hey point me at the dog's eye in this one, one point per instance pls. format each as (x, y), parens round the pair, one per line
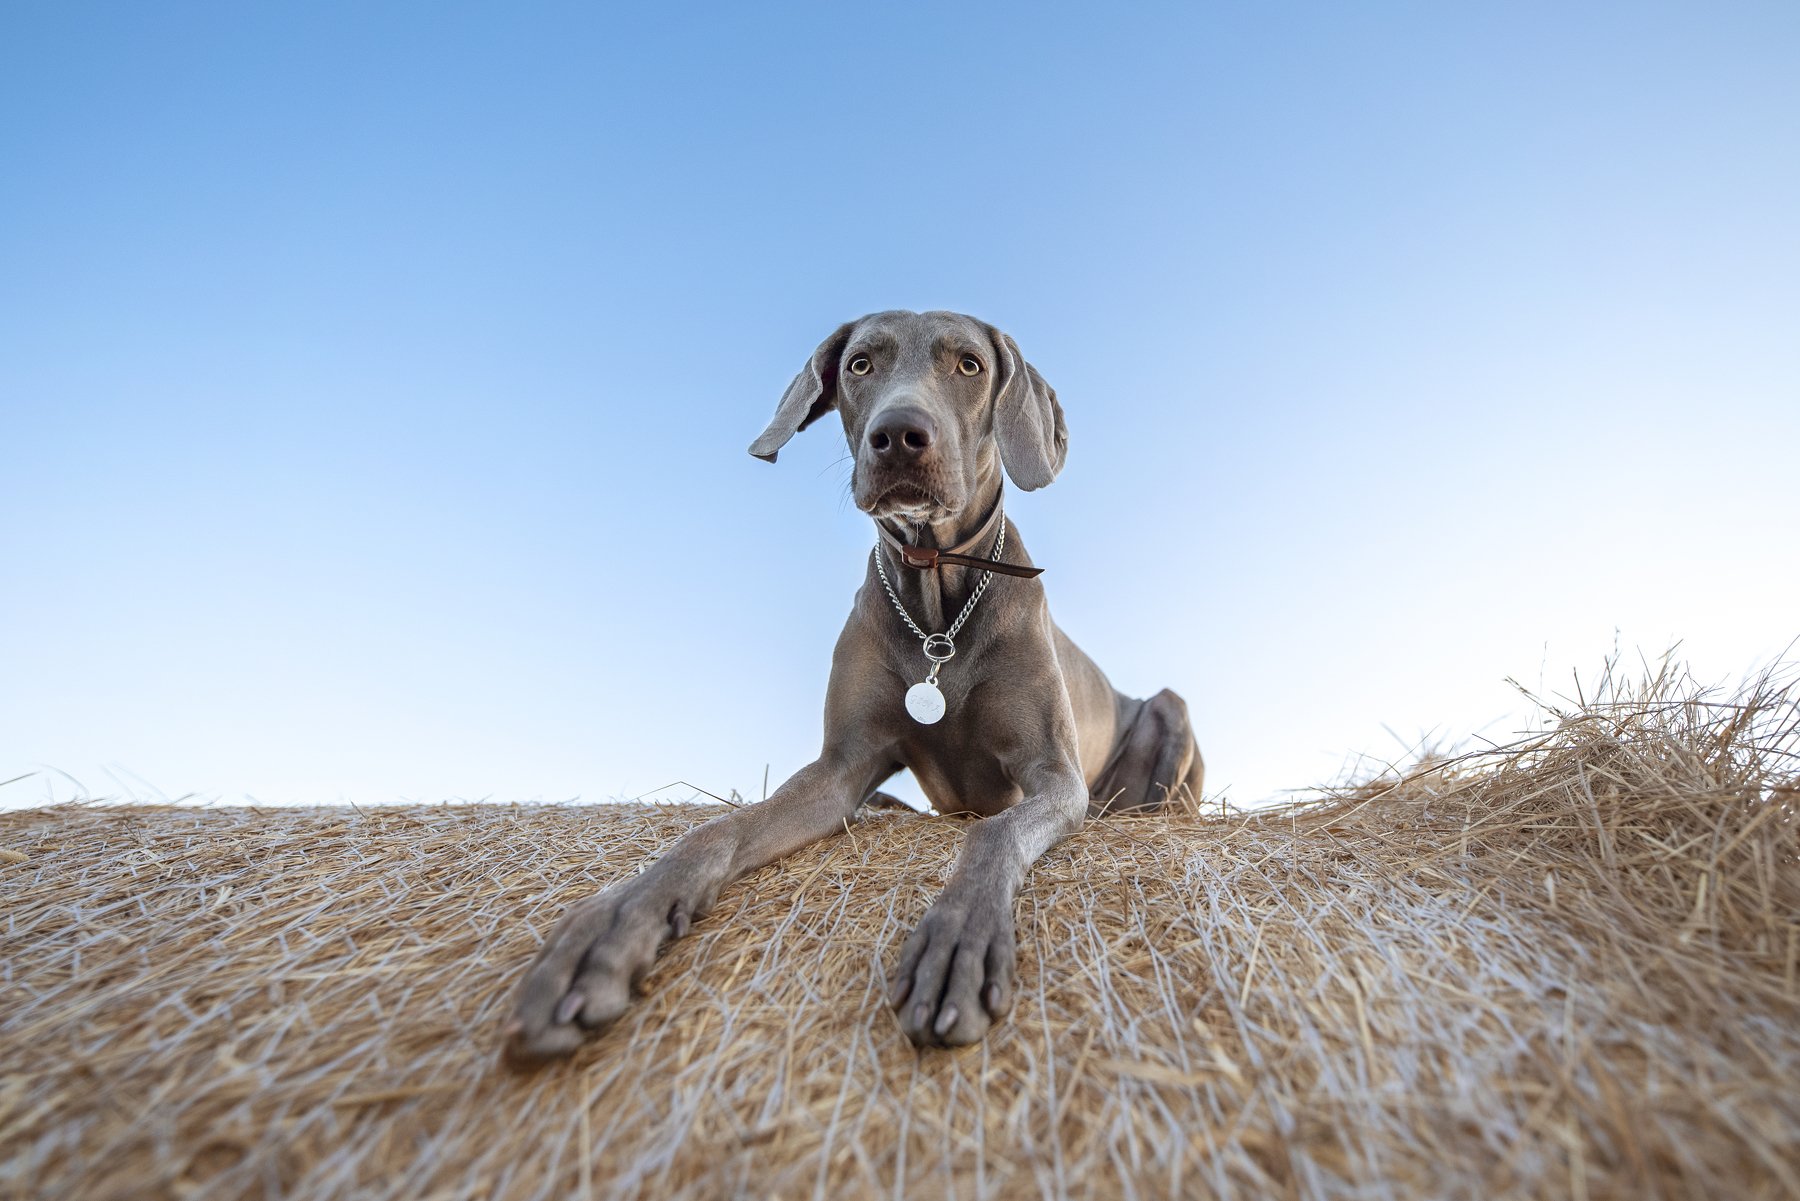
(970, 365)
(859, 365)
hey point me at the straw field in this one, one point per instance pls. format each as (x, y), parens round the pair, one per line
(1565, 967)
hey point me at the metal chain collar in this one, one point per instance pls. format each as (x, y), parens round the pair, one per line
(940, 647)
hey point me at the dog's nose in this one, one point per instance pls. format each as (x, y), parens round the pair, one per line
(902, 434)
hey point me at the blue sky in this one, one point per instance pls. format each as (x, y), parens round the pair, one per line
(375, 380)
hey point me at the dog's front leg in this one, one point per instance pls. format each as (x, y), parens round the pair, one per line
(582, 978)
(955, 976)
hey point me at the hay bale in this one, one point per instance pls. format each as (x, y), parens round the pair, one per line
(1567, 967)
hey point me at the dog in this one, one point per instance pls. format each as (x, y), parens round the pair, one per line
(949, 666)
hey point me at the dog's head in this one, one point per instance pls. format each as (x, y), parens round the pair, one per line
(929, 402)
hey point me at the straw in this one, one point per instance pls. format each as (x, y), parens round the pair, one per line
(1563, 967)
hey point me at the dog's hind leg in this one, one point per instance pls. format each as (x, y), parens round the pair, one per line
(1155, 760)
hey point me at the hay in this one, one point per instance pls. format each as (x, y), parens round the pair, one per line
(1567, 967)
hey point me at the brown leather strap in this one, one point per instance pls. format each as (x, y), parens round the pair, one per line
(925, 558)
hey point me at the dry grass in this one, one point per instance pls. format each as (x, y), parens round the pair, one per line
(1564, 968)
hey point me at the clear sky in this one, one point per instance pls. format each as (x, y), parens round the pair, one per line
(375, 380)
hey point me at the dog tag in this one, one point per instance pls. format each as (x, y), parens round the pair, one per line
(925, 703)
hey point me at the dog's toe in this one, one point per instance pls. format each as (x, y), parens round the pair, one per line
(524, 1047)
(581, 980)
(955, 976)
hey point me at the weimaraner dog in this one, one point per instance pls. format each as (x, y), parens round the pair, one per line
(949, 665)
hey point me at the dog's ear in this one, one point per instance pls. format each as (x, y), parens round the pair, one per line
(1028, 423)
(813, 394)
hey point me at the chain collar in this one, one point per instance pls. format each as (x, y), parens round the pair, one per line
(947, 637)
(924, 701)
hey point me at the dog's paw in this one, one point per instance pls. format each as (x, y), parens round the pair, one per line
(583, 978)
(955, 977)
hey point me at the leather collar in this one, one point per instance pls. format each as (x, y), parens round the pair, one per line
(927, 558)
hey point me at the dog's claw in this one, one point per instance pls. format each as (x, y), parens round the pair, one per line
(946, 1019)
(569, 1007)
(678, 920)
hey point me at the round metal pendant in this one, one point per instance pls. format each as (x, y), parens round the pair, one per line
(925, 703)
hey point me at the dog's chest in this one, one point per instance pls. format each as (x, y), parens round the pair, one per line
(970, 783)
(960, 761)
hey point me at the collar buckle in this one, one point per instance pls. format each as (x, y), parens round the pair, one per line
(920, 558)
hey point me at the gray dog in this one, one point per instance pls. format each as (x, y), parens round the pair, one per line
(949, 665)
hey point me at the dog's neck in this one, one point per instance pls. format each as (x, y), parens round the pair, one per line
(968, 525)
(934, 597)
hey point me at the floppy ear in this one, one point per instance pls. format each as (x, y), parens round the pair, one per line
(1028, 423)
(812, 395)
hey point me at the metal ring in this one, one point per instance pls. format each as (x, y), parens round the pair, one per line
(939, 648)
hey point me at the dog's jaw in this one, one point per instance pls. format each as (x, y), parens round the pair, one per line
(911, 501)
